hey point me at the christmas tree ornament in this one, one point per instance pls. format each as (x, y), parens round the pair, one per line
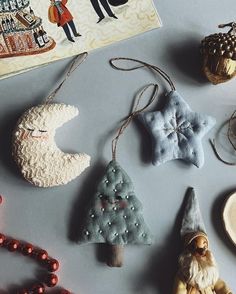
(176, 130)
(198, 271)
(40, 161)
(21, 31)
(115, 213)
(229, 212)
(219, 55)
(41, 256)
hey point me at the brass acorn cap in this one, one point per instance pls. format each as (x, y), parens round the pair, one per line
(220, 45)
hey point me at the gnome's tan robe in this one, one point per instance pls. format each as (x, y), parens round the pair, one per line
(181, 287)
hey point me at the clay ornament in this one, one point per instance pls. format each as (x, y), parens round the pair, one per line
(229, 217)
(198, 271)
(40, 161)
(114, 214)
(176, 131)
(219, 55)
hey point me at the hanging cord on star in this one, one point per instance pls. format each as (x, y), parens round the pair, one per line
(73, 66)
(135, 111)
(143, 64)
(231, 135)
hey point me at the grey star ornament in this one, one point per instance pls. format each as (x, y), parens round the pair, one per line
(177, 131)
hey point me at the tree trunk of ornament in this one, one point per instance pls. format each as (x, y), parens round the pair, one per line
(116, 256)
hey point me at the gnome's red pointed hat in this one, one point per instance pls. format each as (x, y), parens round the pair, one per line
(192, 223)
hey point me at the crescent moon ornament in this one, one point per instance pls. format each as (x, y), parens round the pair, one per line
(35, 151)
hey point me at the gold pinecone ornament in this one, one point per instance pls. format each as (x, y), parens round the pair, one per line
(219, 55)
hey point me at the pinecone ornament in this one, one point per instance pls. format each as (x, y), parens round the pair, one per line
(219, 55)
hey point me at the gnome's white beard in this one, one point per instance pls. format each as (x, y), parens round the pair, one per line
(199, 272)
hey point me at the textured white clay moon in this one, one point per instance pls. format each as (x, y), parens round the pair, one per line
(229, 217)
(41, 162)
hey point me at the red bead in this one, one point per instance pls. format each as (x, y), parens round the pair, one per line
(2, 239)
(12, 245)
(64, 292)
(51, 280)
(52, 265)
(27, 249)
(37, 289)
(1, 199)
(41, 255)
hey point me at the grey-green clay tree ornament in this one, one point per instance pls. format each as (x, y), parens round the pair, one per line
(115, 213)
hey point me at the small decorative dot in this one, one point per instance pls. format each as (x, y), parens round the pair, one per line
(127, 197)
(132, 208)
(103, 209)
(126, 231)
(87, 233)
(116, 234)
(100, 231)
(121, 182)
(114, 190)
(106, 181)
(109, 224)
(100, 196)
(136, 224)
(17, 133)
(115, 208)
(114, 170)
(92, 215)
(125, 216)
(144, 235)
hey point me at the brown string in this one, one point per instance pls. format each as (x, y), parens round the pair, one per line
(74, 65)
(143, 64)
(230, 135)
(135, 111)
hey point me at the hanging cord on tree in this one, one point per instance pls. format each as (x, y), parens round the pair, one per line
(142, 65)
(73, 66)
(231, 135)
(135, 111)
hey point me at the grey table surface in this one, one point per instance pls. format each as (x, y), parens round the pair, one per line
(49, 217)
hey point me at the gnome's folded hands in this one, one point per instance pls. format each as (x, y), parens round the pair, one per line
(198, 272)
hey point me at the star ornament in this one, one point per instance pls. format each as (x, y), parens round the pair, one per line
(177, 131)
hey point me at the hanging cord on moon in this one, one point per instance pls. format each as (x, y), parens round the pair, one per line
(231, 135)
(73, 66)
(135, 110)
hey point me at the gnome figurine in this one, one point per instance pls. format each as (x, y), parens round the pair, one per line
(198, 272)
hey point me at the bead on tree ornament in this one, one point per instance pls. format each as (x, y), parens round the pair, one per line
(219, 55)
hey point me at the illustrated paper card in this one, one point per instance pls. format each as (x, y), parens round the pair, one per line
(34, 32)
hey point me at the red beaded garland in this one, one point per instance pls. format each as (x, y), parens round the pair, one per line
(41, 255)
